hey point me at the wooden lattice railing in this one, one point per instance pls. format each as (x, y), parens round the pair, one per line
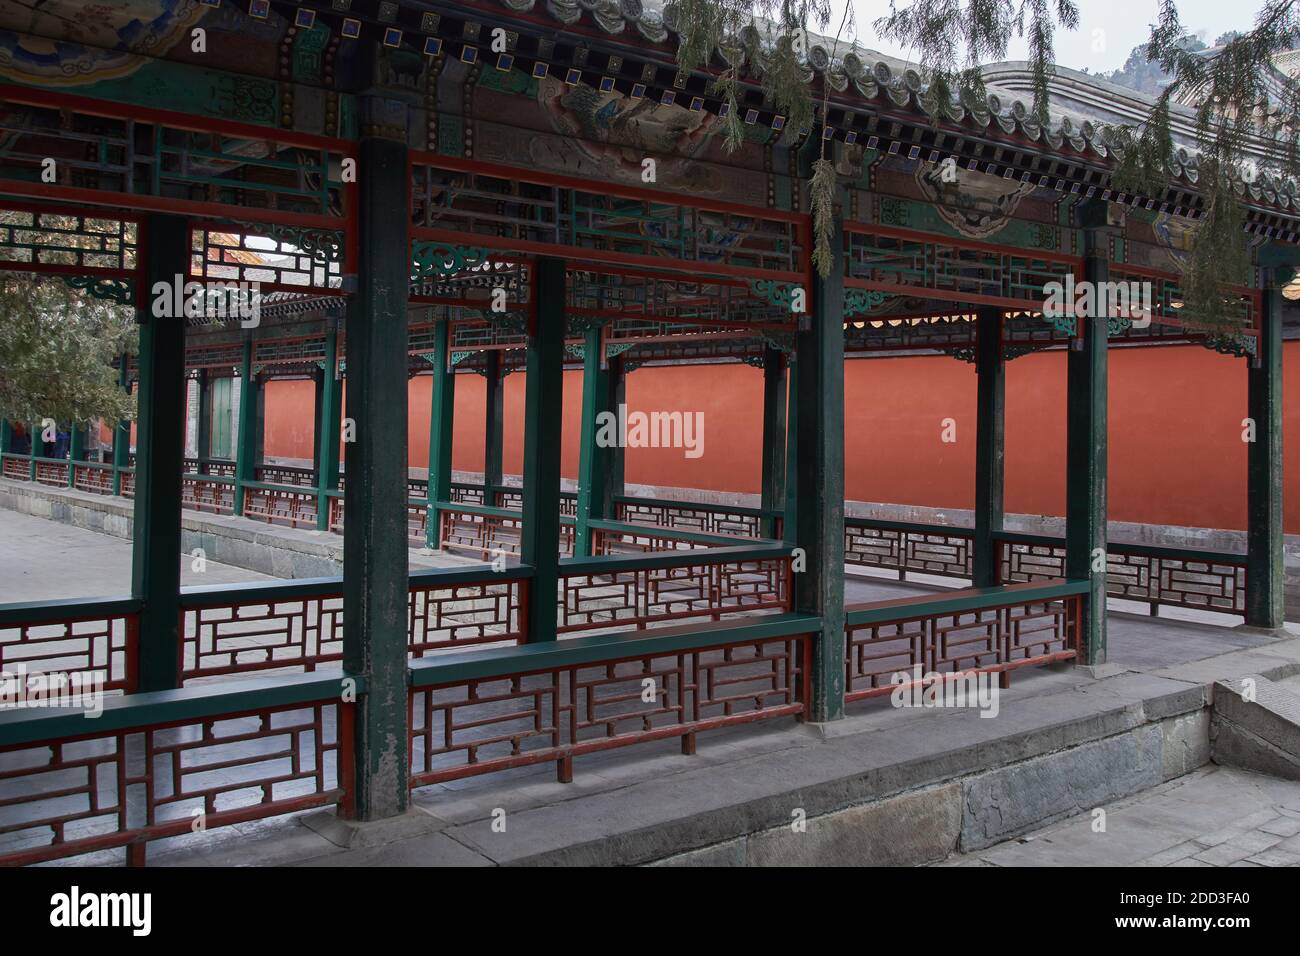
(898, 643)
(1158, 576)
(151, 764)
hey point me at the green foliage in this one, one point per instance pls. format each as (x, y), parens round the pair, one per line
(57, 346)
(766, 39)
(952, 38)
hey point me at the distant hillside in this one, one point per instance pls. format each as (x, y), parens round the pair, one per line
(1146, 77)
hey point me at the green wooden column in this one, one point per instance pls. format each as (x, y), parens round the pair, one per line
(1265, 560)
(774, 451)
(259, 421)
(593, 467)
(35, 449)
(1086, 458)
(543, 414)
(442, 415)
(820, 465)
(375, 559)
(791, 535)
(76, 451)
(160, 450)
(245, 440)
(494, 423)
(328, 426)
(122, 430)
(990, 444)
(203, 429)
(613, 484)
(6, 436)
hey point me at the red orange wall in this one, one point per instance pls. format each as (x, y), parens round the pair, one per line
(1176, 455)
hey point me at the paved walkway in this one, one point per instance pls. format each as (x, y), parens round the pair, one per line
(43, 560)
(1215, 816)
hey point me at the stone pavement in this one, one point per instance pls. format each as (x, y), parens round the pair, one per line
(1215, 816)
(43, 560)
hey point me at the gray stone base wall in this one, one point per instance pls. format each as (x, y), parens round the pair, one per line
(976, 810)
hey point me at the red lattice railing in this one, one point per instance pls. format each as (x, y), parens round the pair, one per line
(208, 494)
(300, 626)
(519, 718)
(72, 637)
(1154, 575)
(709, 587)
(92, 791)
(53, 473)
(17, 468)
(280, 505)
(897, 644)
(689, 516)
(96, 479)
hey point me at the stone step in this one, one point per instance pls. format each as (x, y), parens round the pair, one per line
(1255, 725)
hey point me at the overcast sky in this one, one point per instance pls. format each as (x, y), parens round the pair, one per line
(1108, 29)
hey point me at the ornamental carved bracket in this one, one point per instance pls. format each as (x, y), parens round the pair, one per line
(121, 291)
(863, 301)
(778, 294)
(430, 258)
(323, 245)
(1242, 346)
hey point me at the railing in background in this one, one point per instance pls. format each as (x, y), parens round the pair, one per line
(980, 630)
(287, 505)
(1173, 577)
(1158, 576)
(694, 516)
(639, 591)
(903, 547)
(210, 493)
(89, 476)
(487, 711)
(144, 768)
(241, 629)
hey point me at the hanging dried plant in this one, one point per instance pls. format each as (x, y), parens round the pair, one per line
(822, 198)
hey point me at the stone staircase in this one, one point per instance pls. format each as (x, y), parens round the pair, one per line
(1255, 725)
